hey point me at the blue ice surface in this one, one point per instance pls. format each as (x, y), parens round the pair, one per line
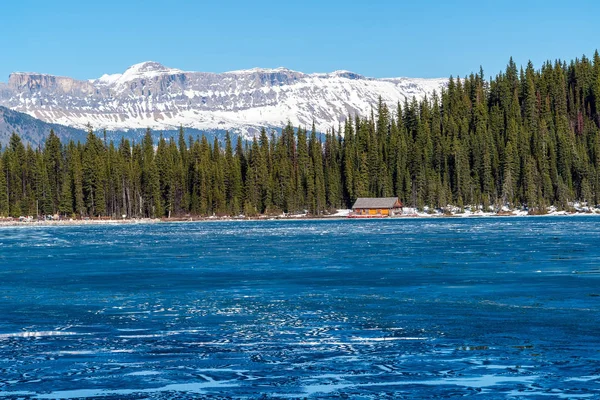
(404, 308)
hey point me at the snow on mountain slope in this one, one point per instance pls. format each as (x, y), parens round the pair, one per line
(152, 95)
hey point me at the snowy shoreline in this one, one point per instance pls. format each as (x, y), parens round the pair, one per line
(339, 215)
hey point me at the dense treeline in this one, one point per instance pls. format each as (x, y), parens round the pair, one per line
(525, 137)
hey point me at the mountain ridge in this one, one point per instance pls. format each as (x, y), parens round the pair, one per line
(152, 95)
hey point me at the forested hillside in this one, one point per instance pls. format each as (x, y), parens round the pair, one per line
(32, 130)
(525, 138)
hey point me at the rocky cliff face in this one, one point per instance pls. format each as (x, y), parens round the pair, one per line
(32, 83)
(152, 95)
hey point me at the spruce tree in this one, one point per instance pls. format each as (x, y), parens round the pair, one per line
(4, 204)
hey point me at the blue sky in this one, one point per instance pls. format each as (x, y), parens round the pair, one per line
(434, 38)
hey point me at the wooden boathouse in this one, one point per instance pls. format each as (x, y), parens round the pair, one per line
(376, 207)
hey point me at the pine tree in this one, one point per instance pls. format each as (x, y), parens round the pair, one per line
(152, 204)
(43, 189)
(4, 204)
(15, 165)
(78, 197)
(93, 175)
(53, 160)
(66, 197)
(316, 156)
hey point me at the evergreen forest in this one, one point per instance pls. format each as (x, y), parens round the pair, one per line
(524, 138)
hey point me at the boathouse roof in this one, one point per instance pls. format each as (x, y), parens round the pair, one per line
(377, 202)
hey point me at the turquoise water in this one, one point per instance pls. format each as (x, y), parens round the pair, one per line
(410, 308)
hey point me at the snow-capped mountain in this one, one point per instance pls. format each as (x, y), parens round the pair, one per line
(152, 95)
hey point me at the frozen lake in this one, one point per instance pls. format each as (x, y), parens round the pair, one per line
(499, 308)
